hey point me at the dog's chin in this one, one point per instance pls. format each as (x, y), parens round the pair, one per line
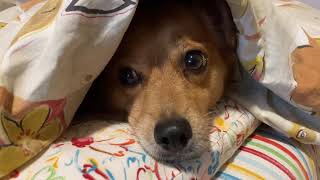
(177, 157)
(162, 155)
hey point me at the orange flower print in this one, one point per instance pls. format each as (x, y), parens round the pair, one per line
(113, 145)
(82, 142)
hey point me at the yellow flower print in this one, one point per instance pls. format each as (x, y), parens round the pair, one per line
(255, 67)
(302, 134)
(2, 25)
(221, 124)
(29, 4)
(40, 20)
(318, 40)
(28, 137)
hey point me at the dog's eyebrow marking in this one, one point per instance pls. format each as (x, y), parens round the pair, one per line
(140, 67)
(189, 44)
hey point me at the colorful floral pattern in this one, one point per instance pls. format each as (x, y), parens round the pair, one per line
(101, 150)
(36, 67)
(27, 136)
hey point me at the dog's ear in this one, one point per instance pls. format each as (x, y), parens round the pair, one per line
(218, 15)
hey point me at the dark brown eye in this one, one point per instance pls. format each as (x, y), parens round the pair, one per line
(195, 60)
(129, 77)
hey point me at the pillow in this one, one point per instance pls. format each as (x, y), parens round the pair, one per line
(99, 149)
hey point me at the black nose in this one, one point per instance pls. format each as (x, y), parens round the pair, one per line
(173, 134)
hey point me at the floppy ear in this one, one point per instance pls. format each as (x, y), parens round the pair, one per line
(218, 15)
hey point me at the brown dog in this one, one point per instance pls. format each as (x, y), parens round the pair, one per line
(171, 67)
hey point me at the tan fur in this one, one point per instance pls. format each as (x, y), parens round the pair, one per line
(154, 45)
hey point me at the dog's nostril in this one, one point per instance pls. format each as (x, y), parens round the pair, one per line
(165, 141)
(183, 140)
(173, 134)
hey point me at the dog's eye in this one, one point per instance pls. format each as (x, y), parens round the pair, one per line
(195, 60)
(129, 77)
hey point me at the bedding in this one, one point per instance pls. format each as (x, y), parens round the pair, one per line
(52, 50)
(279, 48)
(267, 154)
(98, 149)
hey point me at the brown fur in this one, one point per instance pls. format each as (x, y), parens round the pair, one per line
(154, 45)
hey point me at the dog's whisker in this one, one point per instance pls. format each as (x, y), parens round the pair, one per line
(132, 117)
(147, 113)
(209, 114)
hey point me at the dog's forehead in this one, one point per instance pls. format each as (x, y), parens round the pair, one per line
(169, 23)
(155, 34)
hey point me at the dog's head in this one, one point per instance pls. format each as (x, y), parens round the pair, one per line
(171, 67)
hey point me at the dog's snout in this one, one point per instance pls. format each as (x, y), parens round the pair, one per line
(173, 134)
